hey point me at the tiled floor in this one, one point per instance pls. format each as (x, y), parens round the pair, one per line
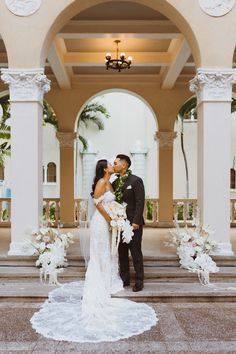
(182, 328)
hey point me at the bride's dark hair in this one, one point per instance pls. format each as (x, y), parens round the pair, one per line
(100, 167)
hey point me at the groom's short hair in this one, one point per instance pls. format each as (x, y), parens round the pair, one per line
(125, 158)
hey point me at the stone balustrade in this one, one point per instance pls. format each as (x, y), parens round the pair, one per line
(184, 211)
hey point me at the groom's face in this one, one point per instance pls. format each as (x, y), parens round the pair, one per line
(119, 165)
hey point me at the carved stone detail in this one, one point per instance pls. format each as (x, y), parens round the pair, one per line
(213, 84)
(26, 84)
(66, 139)
(166, 139)
(23, 7)
(216, 7)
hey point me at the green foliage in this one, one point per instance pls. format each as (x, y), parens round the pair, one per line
(92, 113)
(5, 130)
(52, 212)
(4, 216)
(180, 211)
(150, 206)
(190, 106)
(49, 115)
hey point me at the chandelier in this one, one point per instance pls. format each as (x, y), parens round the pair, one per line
(120, 62)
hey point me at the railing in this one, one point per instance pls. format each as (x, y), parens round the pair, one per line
(51, 210)
(233, 212)
(5, 212)
(184, 211)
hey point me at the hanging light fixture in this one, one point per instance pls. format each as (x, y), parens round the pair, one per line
(120, 62)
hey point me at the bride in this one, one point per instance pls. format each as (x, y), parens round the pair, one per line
(84, 311)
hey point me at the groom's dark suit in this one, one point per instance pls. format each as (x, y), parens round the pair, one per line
(134, 196)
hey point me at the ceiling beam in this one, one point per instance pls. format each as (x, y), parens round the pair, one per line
(56, 61)
(112, 29)
(180, 52)
(98, 59)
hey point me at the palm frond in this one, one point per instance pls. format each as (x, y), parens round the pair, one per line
(187, 108)
(84, 142)
(87, 118)
(96, 108)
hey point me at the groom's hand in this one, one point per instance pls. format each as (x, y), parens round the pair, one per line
(135, 226)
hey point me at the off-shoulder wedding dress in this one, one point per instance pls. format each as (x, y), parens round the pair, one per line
(84, 311)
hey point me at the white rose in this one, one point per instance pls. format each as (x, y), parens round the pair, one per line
(42, 246)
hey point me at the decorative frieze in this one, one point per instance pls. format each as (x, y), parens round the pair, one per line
(216, 7)
(26, 84)
(166, 139)
(66, 139)
(23, 7)
(213, 84)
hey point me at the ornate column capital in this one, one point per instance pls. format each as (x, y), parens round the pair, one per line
(66, 139)
(26, 85)
(213, 84)
(166, 139)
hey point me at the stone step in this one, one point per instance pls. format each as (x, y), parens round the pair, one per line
(76, 260)
(152, 292)
(152, 274)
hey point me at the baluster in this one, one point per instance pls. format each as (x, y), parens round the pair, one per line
(184, 213)
(1, 219)
(47, 211)
(154, 215)
(231, 211)
(234, 210)
(157, 210)
(57, 213)
(9, 211)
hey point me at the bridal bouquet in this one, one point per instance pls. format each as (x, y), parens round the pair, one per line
(119, 224)
(50, 247)
(193, 248)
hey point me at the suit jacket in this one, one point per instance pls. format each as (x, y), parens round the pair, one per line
(134, 197)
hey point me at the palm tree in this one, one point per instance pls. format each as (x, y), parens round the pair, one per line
(92, 113)
(5, 134)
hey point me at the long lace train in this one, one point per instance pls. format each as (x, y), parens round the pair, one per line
(84, 311)
(62, 318)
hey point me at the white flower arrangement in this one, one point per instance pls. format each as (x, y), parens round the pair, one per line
(193, 248)
(119, 224)
(50, 247)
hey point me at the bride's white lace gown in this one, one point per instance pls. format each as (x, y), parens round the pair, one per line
(84, 311)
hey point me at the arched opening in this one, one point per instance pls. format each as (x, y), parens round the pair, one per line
(128, 127)
(51, 172)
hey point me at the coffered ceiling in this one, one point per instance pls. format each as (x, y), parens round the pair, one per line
(160, 52)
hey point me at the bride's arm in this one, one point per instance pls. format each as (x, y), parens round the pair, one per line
(99, 191)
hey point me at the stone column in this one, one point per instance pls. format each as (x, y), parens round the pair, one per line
(214, 92)
(139, 154)
(166, 140)
(27, 87)
(67, 203)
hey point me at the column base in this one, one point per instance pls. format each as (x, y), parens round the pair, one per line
(72, 224)
(224, 249)
(165, 224)
(21, 249)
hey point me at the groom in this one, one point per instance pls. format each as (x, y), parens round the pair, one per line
(130, 189)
